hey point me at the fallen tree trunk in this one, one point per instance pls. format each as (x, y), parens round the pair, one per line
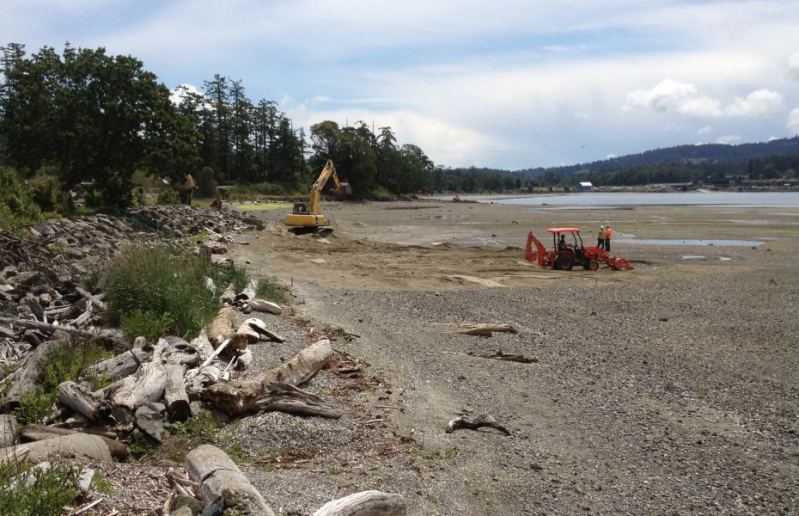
(287, 398)
(80, 400)
(221, 328)
(262, 305)
(148, 386)
(365, 503)
(91, 446)
(41, 433)
(485, 330)
(120, 366)
(218, 475)
(8, 430)
(175, 397)
(241, 396)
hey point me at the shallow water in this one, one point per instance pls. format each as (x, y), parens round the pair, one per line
(695, 242)
(614, 199)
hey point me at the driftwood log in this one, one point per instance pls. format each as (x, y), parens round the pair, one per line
(120, 366)
(365, 503)
(262, 305)
(8, 430)
(507, 357)
(91, 446)
(113, 337)
(242, 396)
(26, 378)
(175, 397)
(218, 475)
(485, 330)
(40, 433)
(480, 421)
(287, 398)
(81, 400)
(147, 386)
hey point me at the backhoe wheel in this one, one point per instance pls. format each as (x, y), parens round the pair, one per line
(564, 263)
(591, 265)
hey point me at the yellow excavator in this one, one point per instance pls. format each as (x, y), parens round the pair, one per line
(306, 217)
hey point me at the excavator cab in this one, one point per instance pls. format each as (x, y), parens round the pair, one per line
(300, 208)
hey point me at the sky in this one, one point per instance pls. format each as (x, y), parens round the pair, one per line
(498, 83)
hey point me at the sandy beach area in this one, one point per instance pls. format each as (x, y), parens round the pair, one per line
(669, 389)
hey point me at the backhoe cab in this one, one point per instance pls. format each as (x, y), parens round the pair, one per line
(306, 217)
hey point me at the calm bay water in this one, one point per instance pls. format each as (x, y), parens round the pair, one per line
(608, 199)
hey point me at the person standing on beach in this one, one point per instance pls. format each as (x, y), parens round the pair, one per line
(608, 235)
(600, 238)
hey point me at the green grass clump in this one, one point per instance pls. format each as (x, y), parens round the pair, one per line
(64, 362)
(202, 426)
(168, 287)
(50, 491)
(147, 324)
(271, 290)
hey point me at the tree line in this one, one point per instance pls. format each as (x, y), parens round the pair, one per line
(85, 117)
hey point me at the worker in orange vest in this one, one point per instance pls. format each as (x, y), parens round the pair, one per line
(608, 235)
(600, 237)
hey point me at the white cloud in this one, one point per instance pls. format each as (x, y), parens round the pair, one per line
(793, 64)
(793, 120)
(611, 156)
(758, 103)
(180, 93)
(685, 98)
(703, 130)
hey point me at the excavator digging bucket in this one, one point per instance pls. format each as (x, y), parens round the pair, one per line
(537, 254)
(344, 189)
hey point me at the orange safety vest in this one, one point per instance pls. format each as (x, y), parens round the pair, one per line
(608, 233)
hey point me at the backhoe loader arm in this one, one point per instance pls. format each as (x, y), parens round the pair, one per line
(316, 190)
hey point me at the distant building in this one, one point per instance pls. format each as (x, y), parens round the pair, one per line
(585, 186)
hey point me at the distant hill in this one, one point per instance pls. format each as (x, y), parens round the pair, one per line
(706, 154)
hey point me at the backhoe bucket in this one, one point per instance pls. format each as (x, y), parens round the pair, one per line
(534, 255)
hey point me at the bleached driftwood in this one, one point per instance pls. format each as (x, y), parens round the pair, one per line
(8, 430)
(262, 305)
(40, 433)
(175, 397)
(112, 336)
(221, 327)
(365, 503)
(119, 366)
(26, 378)
(81, 400)
(485, 330)
(148, 385)
(91, 446)
(218, 475)
(293, 400)
(241, 396)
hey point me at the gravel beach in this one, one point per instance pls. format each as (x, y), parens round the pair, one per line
(670, 389)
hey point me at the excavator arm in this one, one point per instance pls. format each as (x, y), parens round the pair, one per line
(316, 190)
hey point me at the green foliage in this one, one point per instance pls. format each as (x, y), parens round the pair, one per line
(93, 116)
(50, 491)
(167, 196)
(206, 184)
(47, 193)
(147, 324)
(101, 483)
(202, 426)
(17, 206)
(271, 290)
(224, 275)
(65, 361)
(34, 405)
(168, 285)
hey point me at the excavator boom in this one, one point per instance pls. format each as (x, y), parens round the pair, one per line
(308, 217)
